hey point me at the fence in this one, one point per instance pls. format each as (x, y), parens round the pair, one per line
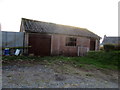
(12, 40)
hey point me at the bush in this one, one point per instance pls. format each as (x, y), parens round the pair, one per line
(117, 47)
(109, 47)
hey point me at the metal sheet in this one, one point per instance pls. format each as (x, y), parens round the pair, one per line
(12, 39)
(4, 39)
(19, 39)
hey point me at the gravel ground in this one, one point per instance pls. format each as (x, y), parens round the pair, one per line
(56, 76)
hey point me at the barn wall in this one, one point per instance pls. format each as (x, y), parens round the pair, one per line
(58, 46)
(25, 43)
(83, 42)
(97, 45)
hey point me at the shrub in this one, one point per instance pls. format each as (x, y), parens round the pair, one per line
(117, 47)
(109, 47)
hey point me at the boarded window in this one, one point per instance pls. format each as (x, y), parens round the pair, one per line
(70, 41)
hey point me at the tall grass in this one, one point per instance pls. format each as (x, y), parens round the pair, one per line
(99, 59)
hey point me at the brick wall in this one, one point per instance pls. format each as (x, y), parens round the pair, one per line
(58, 45)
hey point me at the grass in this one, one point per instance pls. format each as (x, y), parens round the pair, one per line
(99, 59)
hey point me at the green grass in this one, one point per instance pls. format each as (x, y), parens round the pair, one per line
(99, 59)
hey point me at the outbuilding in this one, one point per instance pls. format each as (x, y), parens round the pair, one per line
(111, 40)
(45, 39)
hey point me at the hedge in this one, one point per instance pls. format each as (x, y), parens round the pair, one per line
(111, 47)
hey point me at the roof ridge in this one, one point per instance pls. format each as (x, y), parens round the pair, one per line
(113, 37)
(55, 23)
(65, 29)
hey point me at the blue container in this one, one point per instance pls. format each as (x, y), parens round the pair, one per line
(6, 51)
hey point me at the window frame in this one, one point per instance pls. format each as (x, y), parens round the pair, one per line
(71, 41)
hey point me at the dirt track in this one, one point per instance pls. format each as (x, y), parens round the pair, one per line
(56, 76)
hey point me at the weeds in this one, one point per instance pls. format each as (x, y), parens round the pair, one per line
(101, 59)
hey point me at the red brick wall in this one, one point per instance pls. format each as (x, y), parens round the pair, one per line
(58, 46)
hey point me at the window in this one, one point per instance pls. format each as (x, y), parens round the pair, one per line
(70, 41)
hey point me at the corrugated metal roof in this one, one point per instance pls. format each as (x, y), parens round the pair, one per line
(51, 28)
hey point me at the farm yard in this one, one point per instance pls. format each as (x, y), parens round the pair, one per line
(59, 44)
(96, 70)
(49, 55)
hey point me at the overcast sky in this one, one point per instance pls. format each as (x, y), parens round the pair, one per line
(98, 16)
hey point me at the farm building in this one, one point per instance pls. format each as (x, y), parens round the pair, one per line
(46, 39)
(110, 40)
